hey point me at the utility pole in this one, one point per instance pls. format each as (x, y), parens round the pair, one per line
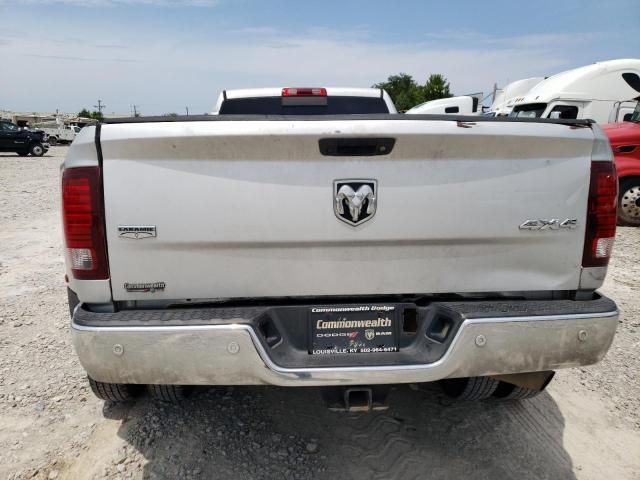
(135, 111)
(495, 89)
(187, 109)
(100, 106)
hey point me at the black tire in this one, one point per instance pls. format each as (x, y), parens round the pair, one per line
(629, 202)
(113, 392)
(52, 141)
(37, 150)
(507, 391)
(168, 393)
(472, 388)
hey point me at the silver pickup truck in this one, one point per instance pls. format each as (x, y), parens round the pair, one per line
(315, 237)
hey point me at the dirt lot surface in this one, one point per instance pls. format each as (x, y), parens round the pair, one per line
(586, 426)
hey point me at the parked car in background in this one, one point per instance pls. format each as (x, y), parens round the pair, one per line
(590, 92)
(625, 142)
(60, 133)
(21, 141)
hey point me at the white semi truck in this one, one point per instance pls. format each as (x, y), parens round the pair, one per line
(590, 92)
(506, 97)
(461, 105)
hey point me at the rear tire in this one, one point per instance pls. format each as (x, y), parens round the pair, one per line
(629, 202)
(112, 392)
(52, 141)
(507, 391)
(37, 150)
(168, 393)
(472, 388)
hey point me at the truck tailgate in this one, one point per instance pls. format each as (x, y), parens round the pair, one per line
(246, 208)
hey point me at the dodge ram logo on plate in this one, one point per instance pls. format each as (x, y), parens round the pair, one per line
(355, 201)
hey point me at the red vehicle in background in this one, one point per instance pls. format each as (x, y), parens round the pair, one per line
(625, 142)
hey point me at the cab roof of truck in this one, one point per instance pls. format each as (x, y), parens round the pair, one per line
(508, 94)
(601, 81)
(462, 101)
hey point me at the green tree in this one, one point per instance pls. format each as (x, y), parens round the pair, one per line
(403, 89)
(84, 113)
(436, 87)
(406, 93)
(97, 115)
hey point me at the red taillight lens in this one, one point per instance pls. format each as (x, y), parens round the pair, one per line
(601, 215)
(304, 92)
(83, 220)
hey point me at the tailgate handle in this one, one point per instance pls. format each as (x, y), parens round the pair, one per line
(356, 147)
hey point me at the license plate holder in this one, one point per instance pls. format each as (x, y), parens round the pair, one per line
(353, 329)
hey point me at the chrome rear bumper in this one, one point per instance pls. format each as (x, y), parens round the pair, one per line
(232, 354)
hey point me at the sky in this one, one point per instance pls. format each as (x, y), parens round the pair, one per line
(168, 55)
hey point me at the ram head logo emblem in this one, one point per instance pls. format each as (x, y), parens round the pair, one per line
(355, 201)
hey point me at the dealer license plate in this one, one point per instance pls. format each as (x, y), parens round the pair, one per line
(353, 329)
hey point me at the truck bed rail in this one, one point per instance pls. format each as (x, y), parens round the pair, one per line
(465, 119)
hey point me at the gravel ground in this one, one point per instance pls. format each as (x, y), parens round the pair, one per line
(586, 426)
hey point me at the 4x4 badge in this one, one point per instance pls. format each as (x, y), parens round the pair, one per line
(355, 200)
(549, 224)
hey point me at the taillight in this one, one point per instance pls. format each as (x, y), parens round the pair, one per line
(304, 92)
(83, 220)
(601, 215)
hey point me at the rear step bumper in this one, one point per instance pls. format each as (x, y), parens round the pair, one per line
(224, 347)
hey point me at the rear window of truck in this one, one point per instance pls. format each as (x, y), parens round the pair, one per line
(303, 106)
